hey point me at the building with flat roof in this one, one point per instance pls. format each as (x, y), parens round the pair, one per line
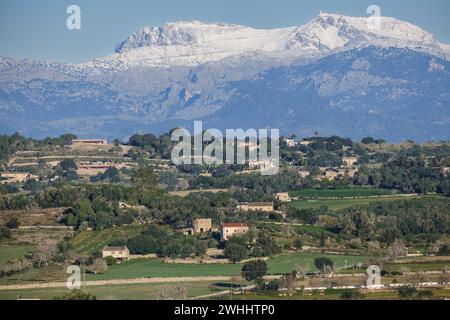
(90, 141)
(232, 229)
(201, 225)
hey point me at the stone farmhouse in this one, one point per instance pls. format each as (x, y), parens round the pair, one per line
(202, 225)
(120, 253)
(255, 206)
(229, 230)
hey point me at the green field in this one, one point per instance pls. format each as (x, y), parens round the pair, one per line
(336, 295)
(417, 266)
(150, 291)
(8, 253)
(341, 193)
(154, 268)
(339, 204)
(89, 242)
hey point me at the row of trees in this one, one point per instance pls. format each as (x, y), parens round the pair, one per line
(164, 242)
(387, 221)
(16, 142)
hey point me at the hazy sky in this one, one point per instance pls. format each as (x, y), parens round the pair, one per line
(37, 29)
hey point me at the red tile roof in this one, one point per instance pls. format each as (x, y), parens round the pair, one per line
(234, 225)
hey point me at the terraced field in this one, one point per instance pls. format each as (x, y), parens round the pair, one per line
(341, 193)
(89, 242)
(339, 204)
(8, 253)
(338, 199)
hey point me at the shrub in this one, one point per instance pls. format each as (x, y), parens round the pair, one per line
(76, 295)
(110, 261)
(425, 294)
(13, 223)
(5, 233)
(323, 264)
(298, 243)
(352, 295)
(406, 292)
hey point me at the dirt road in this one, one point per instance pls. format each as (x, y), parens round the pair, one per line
(122, 282)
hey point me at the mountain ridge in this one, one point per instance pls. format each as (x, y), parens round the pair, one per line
(116, 96)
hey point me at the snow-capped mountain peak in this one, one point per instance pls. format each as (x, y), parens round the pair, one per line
(191, 43)
(176, 33)
(329, 32)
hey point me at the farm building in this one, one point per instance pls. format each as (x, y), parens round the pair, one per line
(349, 161)
(229, 230)
(331, 174)
(187, 231)
(255, 206)
(290, 142)
(90, 141)
(202, 225)
(283, 197)
(121, 253)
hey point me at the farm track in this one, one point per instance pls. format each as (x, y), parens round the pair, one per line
(123, 282)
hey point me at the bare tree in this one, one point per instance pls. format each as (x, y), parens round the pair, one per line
(181, 291)
(416, 279)
(301, 270)
(45, 253)
(288, 283)
(444, 277)
(163, 294)
(99, 265)
(396, 250)
(435, 247)
(404, 270)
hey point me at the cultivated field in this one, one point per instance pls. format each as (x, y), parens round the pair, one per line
(152, 268)
(89, 242)
(344, 198)
(8, 253)
(341, 193)
(147, 291)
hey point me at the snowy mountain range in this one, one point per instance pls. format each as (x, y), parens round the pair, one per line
(322, 76)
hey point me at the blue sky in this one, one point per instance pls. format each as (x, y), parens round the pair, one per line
(37, 29)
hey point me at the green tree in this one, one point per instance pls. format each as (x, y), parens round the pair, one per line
(406, 292)
(5, 233)
(235, 252)
(68, 165)
(145, 178)
(13, 223)
(110, 261)
(324, 264)
(322, 239)
(254, 270)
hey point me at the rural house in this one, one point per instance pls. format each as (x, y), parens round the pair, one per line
(229, 230)
(90, 141)
(349, 161)
(121, 253)
(283, 197)
(255, 206)
(202, 225)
